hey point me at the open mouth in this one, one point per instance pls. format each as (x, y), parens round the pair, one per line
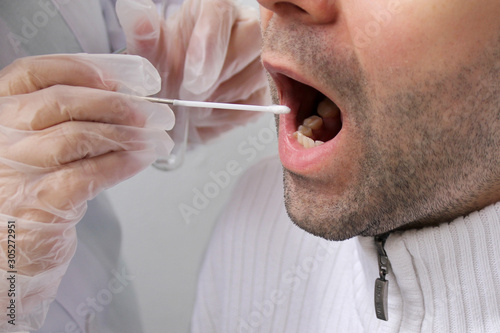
(316, 132)
(317, 118)
(321, 122)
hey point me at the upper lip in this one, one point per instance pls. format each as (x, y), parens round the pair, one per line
(284, 79)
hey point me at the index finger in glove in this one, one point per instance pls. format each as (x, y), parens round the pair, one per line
(116, 72)
(58, 104)
(72, 141)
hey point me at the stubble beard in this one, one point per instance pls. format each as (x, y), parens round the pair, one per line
(401, 182)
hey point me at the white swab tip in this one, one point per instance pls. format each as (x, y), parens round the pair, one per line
(279, 109)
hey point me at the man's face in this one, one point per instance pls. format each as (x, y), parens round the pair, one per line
(417, 86)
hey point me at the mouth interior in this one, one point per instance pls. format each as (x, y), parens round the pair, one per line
(318, 118)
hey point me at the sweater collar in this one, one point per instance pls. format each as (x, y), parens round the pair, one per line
(442, 278)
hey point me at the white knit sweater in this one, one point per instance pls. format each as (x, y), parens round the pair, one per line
(263, 274)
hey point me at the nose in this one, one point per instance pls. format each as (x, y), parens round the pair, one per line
(307, 11)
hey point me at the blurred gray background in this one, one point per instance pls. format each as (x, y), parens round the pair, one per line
(164, 249)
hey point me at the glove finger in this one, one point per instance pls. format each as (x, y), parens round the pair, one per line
(60, 195)
(221, 121)
(39, 247)
(241, 85)
(87, 178)
(208, 45)
(58, 104)
(72, 141)
(244, 44)
(249, 86)
(141, 24)
(117, 72)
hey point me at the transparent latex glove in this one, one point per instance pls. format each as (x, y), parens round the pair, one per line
(208, 51)
(66, 133)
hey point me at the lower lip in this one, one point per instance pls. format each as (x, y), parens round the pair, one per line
(297, 158)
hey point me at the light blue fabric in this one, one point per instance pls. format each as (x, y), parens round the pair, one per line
(35, 28)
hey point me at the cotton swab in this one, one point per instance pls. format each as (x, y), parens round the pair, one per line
(276, 109)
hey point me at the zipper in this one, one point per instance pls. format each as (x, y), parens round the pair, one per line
(381, 284)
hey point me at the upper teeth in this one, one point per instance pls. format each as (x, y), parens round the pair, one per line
(328, 112)
(328, 109)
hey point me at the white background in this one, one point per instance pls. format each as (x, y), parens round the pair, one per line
(162, 250)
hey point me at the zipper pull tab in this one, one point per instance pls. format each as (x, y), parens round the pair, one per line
(381, 284)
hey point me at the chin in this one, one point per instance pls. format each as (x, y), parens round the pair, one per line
(323, 214)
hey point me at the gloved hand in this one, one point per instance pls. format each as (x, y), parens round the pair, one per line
(207, 51)
(66, 133)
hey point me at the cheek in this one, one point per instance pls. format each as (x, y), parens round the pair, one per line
(385, 34)
(420, 36)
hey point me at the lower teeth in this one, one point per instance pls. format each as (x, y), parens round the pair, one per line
(306, 141)
(328, 120)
